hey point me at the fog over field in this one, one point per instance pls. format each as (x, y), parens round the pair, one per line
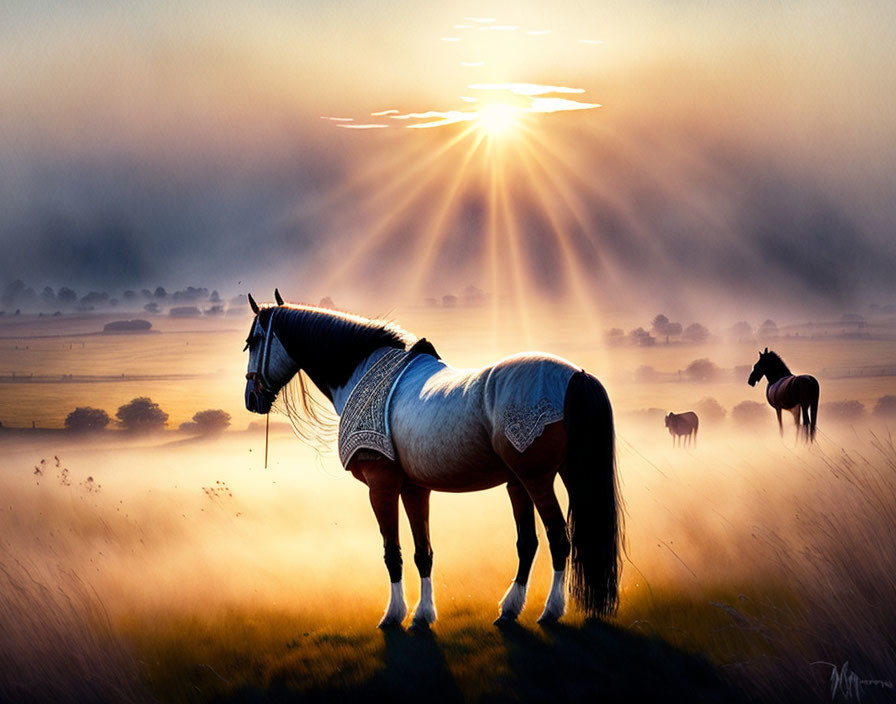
(747, 544)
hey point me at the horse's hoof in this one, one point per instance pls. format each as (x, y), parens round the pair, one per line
(389, 625)
(505, 620)
(548, 619)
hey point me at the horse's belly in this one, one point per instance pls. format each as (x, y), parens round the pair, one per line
(442, 441)
(445, 452)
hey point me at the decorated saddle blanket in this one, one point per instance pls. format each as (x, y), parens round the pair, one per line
(364, 423)
(517, 397)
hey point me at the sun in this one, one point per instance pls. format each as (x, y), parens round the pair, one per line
(497, 119)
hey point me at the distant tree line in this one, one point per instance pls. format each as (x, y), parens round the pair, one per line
(143, 415)
(662, 330)
(17, 295)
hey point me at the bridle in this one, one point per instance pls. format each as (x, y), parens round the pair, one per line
(260, 375)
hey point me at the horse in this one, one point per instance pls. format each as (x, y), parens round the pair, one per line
(409, 424)
(683, 425)
(787, 391)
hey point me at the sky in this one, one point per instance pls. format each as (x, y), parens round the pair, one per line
(686, 153)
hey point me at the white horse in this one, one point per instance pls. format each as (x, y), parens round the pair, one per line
(410, 424)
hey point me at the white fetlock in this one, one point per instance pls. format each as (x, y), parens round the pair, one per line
(513, 601)
(555, 605)
(397, 609)
(425, 611)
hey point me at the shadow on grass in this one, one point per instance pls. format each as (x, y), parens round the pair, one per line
(601, 662)
(513, 663)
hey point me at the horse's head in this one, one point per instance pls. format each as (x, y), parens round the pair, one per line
(669, 419)
(760, 368)
(270, 366)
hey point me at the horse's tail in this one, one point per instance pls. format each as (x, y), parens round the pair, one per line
(813, 410)
(595, 519)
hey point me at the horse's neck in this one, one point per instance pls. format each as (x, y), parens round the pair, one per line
(325, 348)
(339, 395)
(778, 372)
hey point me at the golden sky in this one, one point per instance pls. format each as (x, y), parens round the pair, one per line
(701, 139)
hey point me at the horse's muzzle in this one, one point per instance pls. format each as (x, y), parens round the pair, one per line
(257, 400)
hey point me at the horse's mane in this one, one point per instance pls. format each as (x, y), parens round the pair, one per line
(774, 360)
(328, 346)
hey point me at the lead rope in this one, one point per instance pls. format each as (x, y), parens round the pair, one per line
(267, 430)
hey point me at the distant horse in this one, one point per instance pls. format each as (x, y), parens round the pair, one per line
(788, 392)
(683, 425)
(410, 424)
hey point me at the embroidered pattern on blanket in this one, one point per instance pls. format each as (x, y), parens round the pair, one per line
(364, 422)
(524, 422)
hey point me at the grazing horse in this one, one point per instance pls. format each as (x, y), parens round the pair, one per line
(788, 392)
(683, 425)
(410, 424)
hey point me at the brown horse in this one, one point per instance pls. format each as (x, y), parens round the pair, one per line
(788, 392)
(682, 427)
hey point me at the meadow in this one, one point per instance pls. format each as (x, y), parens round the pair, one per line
(172, 568)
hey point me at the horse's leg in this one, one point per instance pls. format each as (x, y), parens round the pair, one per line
(416, 505)
(541, 489)
(385, 479)
(780, 423)
(796, 419)
(526, 546)
(805, 409)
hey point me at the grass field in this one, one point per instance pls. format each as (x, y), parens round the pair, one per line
(173, 569)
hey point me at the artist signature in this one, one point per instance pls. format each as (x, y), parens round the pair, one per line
(848, 684)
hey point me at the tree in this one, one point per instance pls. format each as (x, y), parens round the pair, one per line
(12, 292)
(741, 330)
(695, 332)
(142, 415)
(885, 406)
(86, 419)
(95, 298)
(709, 410)
(701, 370)
(66, 295)
(663, 327)
(641, 337)
(659, 321)
(768, 329)
(211, 421)
(748, 413)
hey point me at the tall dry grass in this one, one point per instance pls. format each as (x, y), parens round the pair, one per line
(57, 642)
(195, 574)
(791, 588)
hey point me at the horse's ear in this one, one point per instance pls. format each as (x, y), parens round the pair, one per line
(253, 304)
(278, 297)
(766, 350)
